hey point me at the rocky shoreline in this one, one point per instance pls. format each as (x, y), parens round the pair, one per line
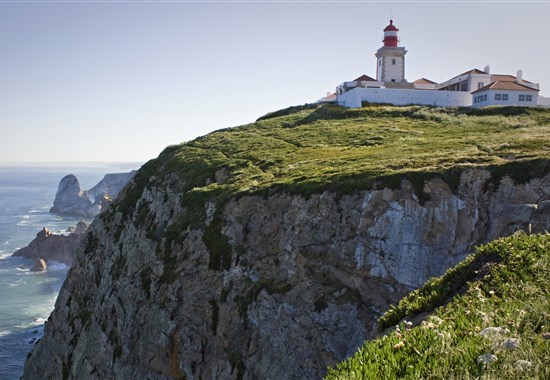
(48, 246)
(71, 200)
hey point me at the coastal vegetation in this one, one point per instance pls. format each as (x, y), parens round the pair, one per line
(316, 148)
(487, 318)
(311, 149)
(260, 251)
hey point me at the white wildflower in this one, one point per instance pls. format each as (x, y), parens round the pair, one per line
(510, 344)
(523, 364)
(486, 359)
(491, 332)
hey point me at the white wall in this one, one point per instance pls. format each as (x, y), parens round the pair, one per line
(543, 102)
(401, 97)
(425, 86)
(513, 98)
(391, 71)
(473, 80)
(479, 78)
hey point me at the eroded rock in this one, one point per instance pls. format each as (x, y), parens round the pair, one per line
(58, 247)
(267, 287)
(39, 265)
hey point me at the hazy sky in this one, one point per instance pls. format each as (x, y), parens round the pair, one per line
(119, 81)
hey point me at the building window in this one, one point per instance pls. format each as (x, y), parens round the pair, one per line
(393, 80)
(504, 96)
(464, 87)
(480, 98)
(393, 61)
(528, 98)
(497, 96)
(379, 62)
(479, 85)
(522, 98)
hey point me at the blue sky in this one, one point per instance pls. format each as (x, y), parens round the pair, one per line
(119, 81)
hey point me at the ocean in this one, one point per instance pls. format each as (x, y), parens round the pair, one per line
(27, 298)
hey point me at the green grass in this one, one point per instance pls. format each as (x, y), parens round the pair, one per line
(504, 284)
(311, 149)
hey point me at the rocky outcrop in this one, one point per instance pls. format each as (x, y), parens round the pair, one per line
(274, 287)
(80, 228)
(48, 246)
(39, 265)
(71, 200)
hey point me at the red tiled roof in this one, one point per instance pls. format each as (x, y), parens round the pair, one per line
(424, 81)
(506, 78)
(364, 78)
(505, 85)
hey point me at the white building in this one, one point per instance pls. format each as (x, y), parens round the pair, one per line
(477, 88)
(364, 81)
(505, 93)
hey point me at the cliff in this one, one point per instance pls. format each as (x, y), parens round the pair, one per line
(111, 185)
(488, 315)
(270, 250)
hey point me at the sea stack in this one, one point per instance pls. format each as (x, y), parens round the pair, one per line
(70, 199)
(39, 265)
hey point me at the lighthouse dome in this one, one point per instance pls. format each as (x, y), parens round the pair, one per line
(391, 27)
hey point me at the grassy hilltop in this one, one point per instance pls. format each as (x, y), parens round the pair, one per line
(313, 149)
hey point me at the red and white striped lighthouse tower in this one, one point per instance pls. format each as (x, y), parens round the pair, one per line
(390, 63)
(390, 35)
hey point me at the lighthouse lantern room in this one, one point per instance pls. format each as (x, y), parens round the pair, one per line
(390, 66)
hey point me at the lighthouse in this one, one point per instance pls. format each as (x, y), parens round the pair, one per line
(390, 59)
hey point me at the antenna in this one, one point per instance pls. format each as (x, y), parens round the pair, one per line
(391, 14)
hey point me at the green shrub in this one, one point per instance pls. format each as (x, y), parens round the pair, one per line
(504, 284)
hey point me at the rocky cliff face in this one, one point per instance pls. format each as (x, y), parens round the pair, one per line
(274, 287)
(111, 185)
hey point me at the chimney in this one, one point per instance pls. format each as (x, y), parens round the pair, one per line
(487, 69)
(519, 77)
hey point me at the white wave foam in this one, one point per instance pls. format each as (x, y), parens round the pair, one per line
(4, 255)
(55, 265)
(38, 321)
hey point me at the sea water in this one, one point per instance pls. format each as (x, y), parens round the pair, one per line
(27, 298)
